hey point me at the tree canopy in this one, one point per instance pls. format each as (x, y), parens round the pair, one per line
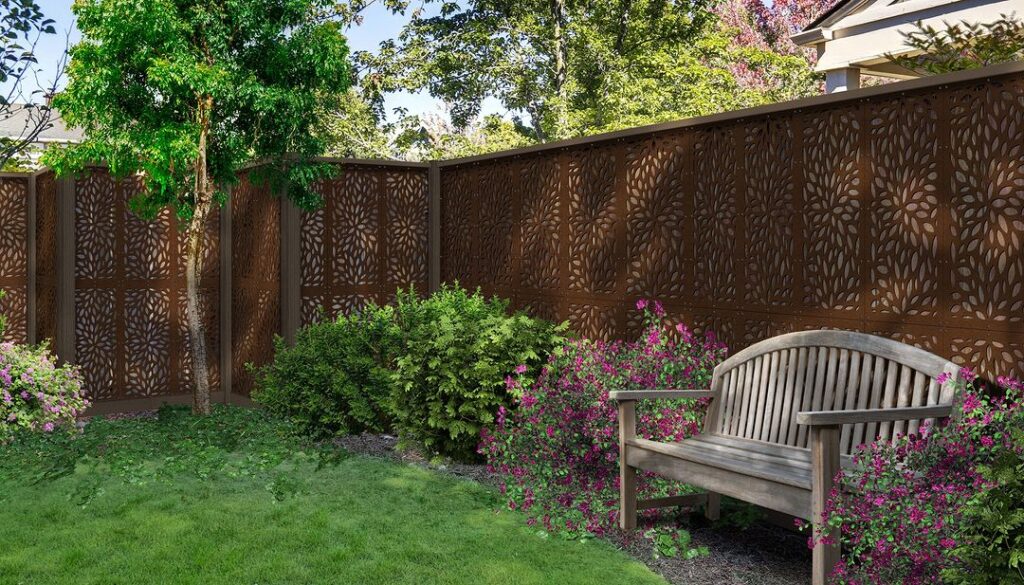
(567, 68)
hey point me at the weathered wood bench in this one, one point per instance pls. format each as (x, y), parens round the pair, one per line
(785, 415)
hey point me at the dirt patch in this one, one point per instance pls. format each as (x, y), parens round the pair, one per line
(384, 446)
(761, 554)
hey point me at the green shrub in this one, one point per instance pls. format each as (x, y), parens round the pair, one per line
(990, 547)
(459, 350)
(36, 393)
(335, 379)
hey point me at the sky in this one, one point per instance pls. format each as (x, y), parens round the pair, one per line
(378, 25)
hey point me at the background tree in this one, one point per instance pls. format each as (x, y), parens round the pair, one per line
(963, 45)
(566, 68)
(182, 92)
(24, 94)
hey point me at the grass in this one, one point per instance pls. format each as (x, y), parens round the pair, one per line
(234, 499)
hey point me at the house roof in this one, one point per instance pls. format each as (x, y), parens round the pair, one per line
(865, 34)
(838, 10)
(22, 116)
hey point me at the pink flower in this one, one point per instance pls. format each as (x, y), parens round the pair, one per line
(520, 369)
(641, 304)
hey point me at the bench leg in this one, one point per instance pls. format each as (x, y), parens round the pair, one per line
(713, 508)
(825, 465)
(627, 497)
(627, 475)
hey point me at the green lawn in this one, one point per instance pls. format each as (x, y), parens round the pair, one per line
(232, 500)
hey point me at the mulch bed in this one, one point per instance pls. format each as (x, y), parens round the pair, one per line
(761, 554)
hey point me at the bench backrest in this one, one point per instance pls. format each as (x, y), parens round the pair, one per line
(760, 390)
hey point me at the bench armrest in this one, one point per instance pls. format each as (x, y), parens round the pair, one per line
(845, 417)
(656, 394)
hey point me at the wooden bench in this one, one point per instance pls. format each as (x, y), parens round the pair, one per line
(785, 415)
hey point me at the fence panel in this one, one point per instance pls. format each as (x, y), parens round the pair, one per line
(131, 337)
(14, 263)
(367, 240)
(894, 213)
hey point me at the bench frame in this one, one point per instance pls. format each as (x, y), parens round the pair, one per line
(825, 432)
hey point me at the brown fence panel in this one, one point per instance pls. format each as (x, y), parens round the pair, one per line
(367, 240)
(892, 212)
(14, 268)
(255, 279)
(130, 332)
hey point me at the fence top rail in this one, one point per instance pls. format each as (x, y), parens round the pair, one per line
(896, 88)
(247, 166)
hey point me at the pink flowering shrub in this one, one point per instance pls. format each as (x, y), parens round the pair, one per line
(557, 451)
(902, 512)
(35, 393)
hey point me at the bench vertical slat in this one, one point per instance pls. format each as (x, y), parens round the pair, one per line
(729, 427)
(863, 395)
(740, 410)
(852, 387)
(749, 399)
(827, 401)
(875, 399)
(917, 398)
(818, 389)
(808, 392)
(903, 398)
(933, 397)
(766, 419)
(747, 394)
(788, 413)
(778, 409)
(843, 370)
(716, 409)
(798, 393)
(754, 428)
(888, 391)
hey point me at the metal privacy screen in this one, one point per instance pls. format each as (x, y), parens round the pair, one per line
(897, 211)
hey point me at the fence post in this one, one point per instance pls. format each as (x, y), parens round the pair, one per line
(64, 344)
(434, 227)
(291, 217)
(226, 363)
(30, 261)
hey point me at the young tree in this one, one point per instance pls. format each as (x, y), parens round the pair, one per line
(182, 92)
(24, 94)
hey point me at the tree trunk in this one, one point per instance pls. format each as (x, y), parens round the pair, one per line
(194, 255)
(561, 51)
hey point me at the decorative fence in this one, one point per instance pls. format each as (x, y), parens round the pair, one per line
(896, 210)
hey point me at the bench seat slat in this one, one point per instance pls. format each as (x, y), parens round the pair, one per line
(788, 471)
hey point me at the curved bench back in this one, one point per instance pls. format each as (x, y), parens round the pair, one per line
(760, 390)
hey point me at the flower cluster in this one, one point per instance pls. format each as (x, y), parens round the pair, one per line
(900, 512)
(557, 452)
(35, 393)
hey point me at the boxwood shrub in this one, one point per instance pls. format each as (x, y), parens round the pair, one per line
(335, 379)
(433, 370)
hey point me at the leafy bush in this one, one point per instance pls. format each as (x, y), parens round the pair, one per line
(335, 378)
(457, 350)
(908, 511)
(991, 542)
(557, 452)
(35, 393)
(432, 370)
